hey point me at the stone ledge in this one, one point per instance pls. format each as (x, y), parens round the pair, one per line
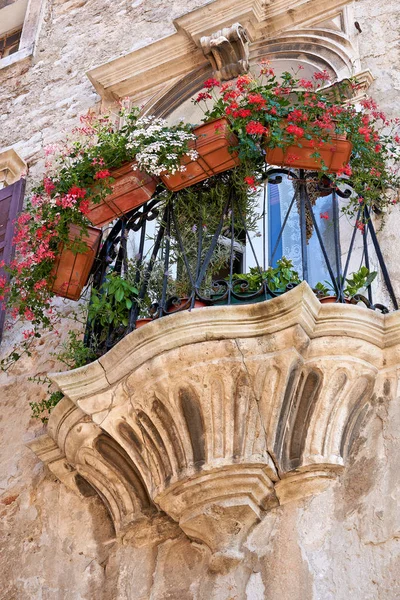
(297, 307)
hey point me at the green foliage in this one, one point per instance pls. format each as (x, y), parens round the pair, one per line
(41, 410)
(111, 304)
(73, 353)
(277, 278)
(199, 210)
(357, 281)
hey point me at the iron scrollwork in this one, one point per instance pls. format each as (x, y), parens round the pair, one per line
(232, 232)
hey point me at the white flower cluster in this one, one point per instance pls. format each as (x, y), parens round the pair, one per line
(159, 147)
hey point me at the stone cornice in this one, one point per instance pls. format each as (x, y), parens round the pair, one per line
(148, 67)
(297, 307)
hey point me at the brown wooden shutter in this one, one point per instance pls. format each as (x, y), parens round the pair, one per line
(11, 201)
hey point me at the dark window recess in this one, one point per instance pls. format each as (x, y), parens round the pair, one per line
(9, 42)
(11, 201)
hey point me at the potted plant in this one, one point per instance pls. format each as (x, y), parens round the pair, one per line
(256, 285)
(95, 159)
(73, 262)
(116, 168)
(213, 144)
(359, 280)
(198, 211)
(55, 252)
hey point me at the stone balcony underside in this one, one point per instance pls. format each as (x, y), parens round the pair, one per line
(215, 416)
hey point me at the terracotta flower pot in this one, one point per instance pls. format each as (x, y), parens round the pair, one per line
(141, 322)
(334, 154)
(71, 271)
(212, 144)
(185, 302)
(131, 189)
(332, 300)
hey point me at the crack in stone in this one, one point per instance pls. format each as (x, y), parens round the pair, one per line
(258, 408)
(105, 373)
(108, 409)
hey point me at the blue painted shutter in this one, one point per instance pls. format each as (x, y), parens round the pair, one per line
(11, 201)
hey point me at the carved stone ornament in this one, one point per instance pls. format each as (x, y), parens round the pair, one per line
(228, 51)
(12, 167)
(210, 418)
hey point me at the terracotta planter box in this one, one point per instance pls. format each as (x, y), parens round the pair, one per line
(141, 322)
(333, 300)
(71, 271)
(185, 305)
(212, 144)
(131, 189)
(334, 154)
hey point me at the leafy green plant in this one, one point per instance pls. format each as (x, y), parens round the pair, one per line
(41, 410)
(357, 281)
(198, 212)
(112, 303)
(73, 354)
(277, 278)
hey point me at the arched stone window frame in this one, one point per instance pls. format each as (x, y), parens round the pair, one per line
(30, 31)
(162, 75)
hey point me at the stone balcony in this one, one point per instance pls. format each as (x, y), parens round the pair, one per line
(211, 417)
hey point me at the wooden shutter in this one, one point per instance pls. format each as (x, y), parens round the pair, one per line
(11, 201)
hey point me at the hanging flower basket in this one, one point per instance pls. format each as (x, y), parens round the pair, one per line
(131, 189)
(334, 155)
(212, 145)
(71, 270)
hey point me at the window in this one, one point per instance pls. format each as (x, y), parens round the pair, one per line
(19, 23)
(9, 43)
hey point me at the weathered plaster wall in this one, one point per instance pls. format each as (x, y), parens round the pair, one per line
(341, 544)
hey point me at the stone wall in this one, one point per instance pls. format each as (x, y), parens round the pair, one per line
(341, 544)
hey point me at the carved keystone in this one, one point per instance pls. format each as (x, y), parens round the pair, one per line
(228, 51)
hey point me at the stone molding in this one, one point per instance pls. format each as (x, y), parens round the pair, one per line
(269, 26)
(217, 415)
(12, 167)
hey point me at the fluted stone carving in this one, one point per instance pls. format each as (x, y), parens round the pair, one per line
(228, 51)
(215, 416)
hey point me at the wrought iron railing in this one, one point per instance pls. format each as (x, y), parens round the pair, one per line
(167, 259)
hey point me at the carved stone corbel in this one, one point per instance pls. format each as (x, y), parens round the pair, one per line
(216, 416)
(228, 51)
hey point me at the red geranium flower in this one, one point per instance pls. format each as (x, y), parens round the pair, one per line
(251, 182)
(255, 128)
(102, 174)
(211, 83)
(295, 130)
(77, 191)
